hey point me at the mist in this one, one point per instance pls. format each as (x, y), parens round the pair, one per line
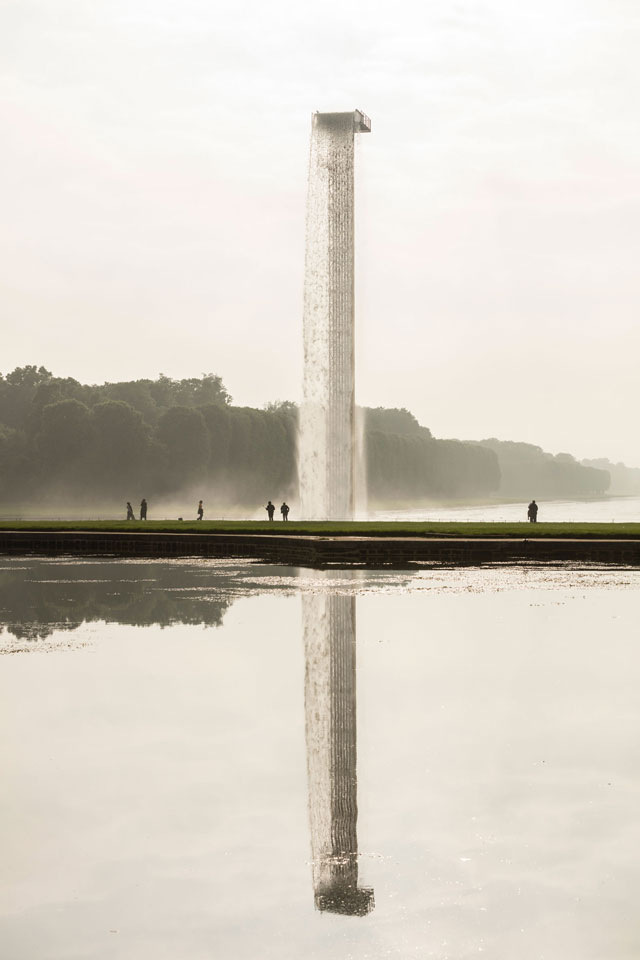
(70, 449)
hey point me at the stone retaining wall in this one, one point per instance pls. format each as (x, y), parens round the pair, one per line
(321, 551)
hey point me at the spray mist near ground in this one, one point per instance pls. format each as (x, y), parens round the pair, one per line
(219, 504)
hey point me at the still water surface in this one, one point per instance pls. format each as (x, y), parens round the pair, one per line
(188, 772)
(606, 510)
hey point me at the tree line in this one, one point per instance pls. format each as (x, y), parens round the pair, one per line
(404, 461)
(62, 441)
(528, 471)
(625, 481)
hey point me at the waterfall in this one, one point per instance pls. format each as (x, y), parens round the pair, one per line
(327, 449)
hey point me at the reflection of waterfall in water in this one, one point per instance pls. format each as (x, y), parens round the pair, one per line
(330, 707)
(327, 417)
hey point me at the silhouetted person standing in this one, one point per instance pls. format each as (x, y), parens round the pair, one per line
(143, 509)
(532, 512)
(270, 510)
(284, 510)
(200, 510)
(130, 513)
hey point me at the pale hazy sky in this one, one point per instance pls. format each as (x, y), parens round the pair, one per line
(153, 188)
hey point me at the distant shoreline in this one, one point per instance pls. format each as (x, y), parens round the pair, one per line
(490, 502)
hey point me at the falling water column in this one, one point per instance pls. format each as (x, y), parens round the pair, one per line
(327, 418)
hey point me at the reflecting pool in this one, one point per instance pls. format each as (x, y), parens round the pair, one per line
(604, 510)
(231, 760)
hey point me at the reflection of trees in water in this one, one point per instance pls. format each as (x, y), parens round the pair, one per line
(330, 707)
(39, 597)
(43, 597)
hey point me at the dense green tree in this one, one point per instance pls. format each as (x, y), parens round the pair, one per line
(120, 439)
(400, 422)
(137, 394)
(17, 469)
(217, 419)
(65, 434)
(53, 391)
(17, 390)
(182, 432)
(192, 392)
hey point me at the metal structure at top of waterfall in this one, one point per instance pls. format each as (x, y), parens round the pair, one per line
(327, 418)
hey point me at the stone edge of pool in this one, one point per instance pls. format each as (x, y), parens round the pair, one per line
(319, 551)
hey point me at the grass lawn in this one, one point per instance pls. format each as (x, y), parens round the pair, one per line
(341, 529)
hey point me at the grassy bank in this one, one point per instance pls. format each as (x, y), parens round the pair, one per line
(345, 529)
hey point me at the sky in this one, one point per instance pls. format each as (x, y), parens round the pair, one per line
(153, 193)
